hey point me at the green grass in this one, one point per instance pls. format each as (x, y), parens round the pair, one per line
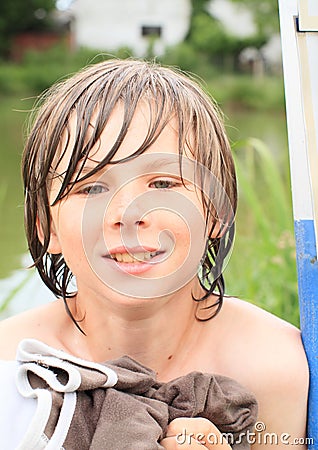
(262, 268)
(12, 241)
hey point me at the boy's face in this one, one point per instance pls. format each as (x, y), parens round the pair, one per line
(133, 229)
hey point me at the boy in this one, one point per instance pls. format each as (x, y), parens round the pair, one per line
(131, 190)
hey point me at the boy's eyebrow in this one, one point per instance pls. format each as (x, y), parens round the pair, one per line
(173, 165)
(153, 164)
(79, 171)
(161, 163)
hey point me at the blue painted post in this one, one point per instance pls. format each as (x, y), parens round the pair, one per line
(299, 37)
(307, 282)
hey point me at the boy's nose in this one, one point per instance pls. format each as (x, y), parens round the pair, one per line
(126, 209)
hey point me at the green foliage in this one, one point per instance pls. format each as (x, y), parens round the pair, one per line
(264, 93)
(19, 15)
(12, 240)
(3, 191)
(199, 6)
(208, 36)
(39, 70)
(262, 268)
(185, 57)
(221, 48)
(265, 14)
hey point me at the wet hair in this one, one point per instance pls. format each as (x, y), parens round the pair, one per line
(97, 90)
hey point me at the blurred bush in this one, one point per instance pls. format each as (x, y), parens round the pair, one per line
(39, 70)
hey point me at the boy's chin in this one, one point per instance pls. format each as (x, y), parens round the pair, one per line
(142, 287)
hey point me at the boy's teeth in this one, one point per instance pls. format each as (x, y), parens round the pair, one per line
(136, 257)
(126, 257)
(119, 257)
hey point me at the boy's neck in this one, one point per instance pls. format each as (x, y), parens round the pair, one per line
(155, 335)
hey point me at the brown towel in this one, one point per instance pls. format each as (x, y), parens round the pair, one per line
(135, 412)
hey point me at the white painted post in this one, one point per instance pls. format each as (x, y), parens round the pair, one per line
(299, 36)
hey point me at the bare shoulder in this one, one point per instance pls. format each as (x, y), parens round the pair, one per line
(267, 342)
(38, 323)
(256, 320)
(265, 353)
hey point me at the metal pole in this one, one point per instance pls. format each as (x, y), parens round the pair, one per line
(299, 37)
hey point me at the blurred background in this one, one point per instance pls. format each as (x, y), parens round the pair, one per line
(233, 46)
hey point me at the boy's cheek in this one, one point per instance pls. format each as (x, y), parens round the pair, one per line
(54, 245)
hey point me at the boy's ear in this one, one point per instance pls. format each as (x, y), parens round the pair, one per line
(54, 244)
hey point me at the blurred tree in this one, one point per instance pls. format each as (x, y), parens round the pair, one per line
(265, 13)
(199, 6)
(208, 36)
(17, 16)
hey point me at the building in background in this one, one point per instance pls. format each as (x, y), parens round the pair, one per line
(112, 24)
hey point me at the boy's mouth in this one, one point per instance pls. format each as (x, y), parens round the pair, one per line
(138, 257)
(134, 255)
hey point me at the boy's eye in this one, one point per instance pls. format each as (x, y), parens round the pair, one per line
(93, 189)
(163, 184)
